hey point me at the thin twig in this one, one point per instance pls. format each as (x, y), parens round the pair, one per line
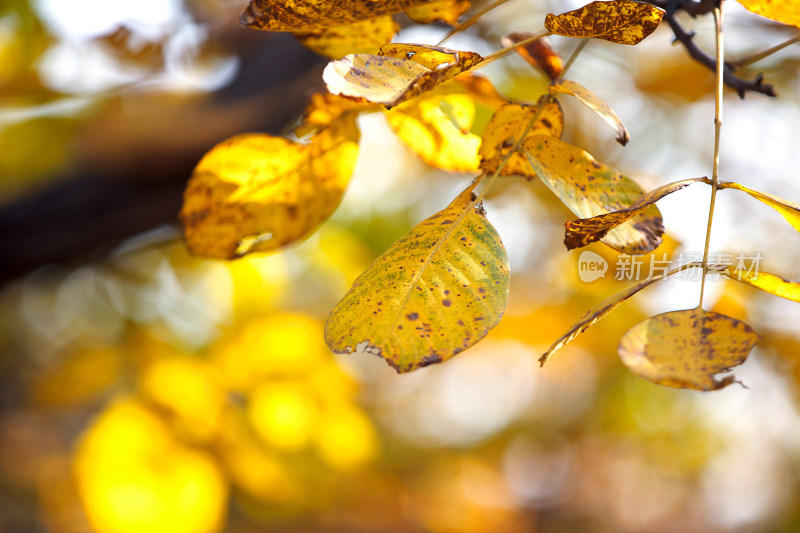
(504, 51)
(720, 65)
(749, 60)
(471, 20)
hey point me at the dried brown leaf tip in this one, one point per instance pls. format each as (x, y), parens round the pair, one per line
(621, 21)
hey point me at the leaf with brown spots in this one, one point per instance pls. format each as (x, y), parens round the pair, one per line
(505, 128)
(596, 104)
(602, 309)
(363, 37)
(618, 21)
(433, 294)
(584, 231)
(257, 193)
(399, 72)
(788, 209)
(589, 188)
(325, 108)
(786, 11)
(446, 11)
(687, 349)
(538, 53)
(294, 15)
(769, 283)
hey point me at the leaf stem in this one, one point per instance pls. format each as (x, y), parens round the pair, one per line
(571, 60)
(749, 60)
(719, 21)
(471, 20)
(503, 51)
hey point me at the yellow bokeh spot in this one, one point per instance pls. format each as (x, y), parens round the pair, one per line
(185, 387)
(133, 476)
(283, 414)
(345, 438)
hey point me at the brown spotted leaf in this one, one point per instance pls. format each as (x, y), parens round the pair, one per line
(295, 15)
(786, 11)
(619, 21)
(602, 309)
(399, 72)
(687, 349)
(596, 104)
(506, 127)
(589, 188)
(257, 193)
(446, 11)
(584, 231)
(538, 53)
(788, 209)
(363, 37)
(433, 294)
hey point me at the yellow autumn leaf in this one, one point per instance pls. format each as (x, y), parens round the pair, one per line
(786, 11)
(538, 53)
(687, 349)
(769, 283)
(324, 108)
(588, 188)
(294, 15)
(433, 294)
(438, 125)
(584, 231)
(787, 209)
(506, 127)
(618, 21)
(446, 11)
(596, 104)
(362, 37)
(603, 308)
(256, 193)
(399, 72)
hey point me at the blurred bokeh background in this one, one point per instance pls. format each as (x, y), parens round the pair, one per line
(145, 390)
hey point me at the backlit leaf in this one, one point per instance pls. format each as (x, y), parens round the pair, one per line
(687, 349)
(437, 127)
(788, 209)
(590, 188)
(399, 72)
(786, 11)
(324, 108)
(363, 37)
(765, 281)
(596, 104)
(537, 53)
(585, 231)
(602, 309)
(433, 294)
(619, 21)
(256, 193)
(506, 127)
(294, 15)
(446, 11)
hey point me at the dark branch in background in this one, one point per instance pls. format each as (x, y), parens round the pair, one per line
(702, 7)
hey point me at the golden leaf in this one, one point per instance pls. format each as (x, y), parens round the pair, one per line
(686, 349)
(584, 231)
(446, 11)
(788, 209)
(294, 15)
(602, 309)
(591, 188)
(537, 53)
(619, 21)
(256, 193)
(399, 72)
(437, 127)
(324, 108)
(596, 104)
(769, 283)
(786, 11)
(505, 128)
(433, 294)
(363, 37)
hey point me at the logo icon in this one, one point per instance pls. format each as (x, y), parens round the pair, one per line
(591, 266)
